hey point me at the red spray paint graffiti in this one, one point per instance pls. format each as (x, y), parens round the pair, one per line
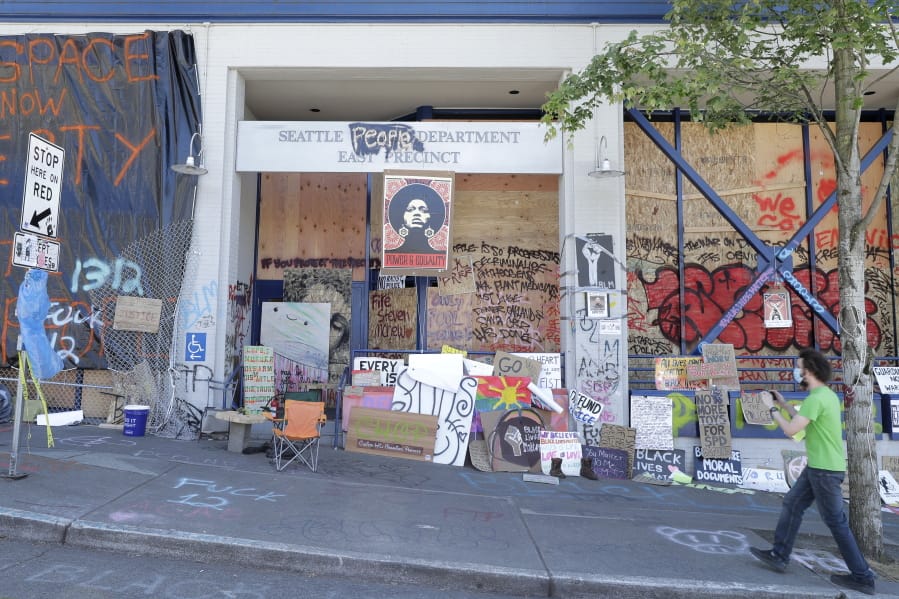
(709, 294)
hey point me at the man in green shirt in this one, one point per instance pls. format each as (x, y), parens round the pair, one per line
(819, 417)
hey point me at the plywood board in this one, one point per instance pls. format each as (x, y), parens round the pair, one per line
(392, 434)
(392, 318)
(512, 237)
(94, 403)
(311, 220)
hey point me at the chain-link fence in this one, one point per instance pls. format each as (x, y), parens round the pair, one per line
(140, 362)
(88, 390)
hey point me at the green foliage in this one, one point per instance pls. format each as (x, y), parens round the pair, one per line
(720, 59)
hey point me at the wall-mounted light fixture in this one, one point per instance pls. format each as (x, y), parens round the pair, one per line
(191, 166)
(603, 167)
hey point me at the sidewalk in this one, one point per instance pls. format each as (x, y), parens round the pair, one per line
(393, 520)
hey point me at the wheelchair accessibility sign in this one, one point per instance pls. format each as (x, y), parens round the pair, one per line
(195, 347)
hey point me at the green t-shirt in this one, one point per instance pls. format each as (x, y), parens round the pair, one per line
(824, 433)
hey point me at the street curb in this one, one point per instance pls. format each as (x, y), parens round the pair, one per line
(454, 576)
(29, 526)
(640, 587)
(471, 577)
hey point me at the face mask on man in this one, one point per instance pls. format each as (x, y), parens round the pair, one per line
(797, 375)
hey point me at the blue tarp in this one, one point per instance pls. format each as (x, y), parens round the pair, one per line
(123, 108)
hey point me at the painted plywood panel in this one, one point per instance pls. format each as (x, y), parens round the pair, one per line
(311, 220)
(508, 225)
(392, 318)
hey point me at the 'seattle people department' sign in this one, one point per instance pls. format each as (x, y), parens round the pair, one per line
(331, 147)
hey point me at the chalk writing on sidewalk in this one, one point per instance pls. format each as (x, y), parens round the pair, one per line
(706, 541)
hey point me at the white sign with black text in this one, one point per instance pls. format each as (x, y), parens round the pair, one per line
(32, 251)
(365, 147)
(887, 379)
(43, 185)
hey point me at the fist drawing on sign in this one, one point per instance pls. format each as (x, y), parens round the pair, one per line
(513, 438)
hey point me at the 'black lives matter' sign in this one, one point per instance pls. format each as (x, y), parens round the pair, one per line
(659, 463)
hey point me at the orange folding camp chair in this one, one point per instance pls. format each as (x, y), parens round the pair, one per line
(296, 436)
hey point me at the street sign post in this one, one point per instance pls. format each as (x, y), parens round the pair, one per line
(32, 251)
(43, 184)
(40, 215)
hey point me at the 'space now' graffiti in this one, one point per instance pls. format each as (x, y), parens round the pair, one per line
(80, 92)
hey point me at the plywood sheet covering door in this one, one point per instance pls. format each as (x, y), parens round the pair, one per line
(311, 220)
(509, 225)
(758, 171)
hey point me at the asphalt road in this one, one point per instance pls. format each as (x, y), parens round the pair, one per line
(52, 571)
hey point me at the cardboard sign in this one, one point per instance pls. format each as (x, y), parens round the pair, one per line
(550, 369)
(454, 412)
(754, 409)
(708, 370)
(502, 392)
(513, 439)
(714, 423)
(366, 378)
(566, 446)
(584, 408)
(392, 434)
(619, 437)
(608, 462)
(671, 374)
(728, 472)
(506, 364)
(393, 318)
(137, 314)
(379, 398)
(657, 463)
(460, 279)
(722, 353)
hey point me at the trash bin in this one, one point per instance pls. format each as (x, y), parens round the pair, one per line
(135, 420)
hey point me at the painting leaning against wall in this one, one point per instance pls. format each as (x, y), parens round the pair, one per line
(326, 286)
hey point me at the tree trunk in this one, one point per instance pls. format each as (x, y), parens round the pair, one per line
(864, 497)
(864, 504)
